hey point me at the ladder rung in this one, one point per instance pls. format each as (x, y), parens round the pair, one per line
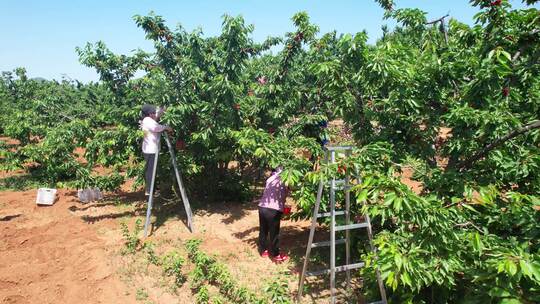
(327, 243)
(338, 269)
(342, 187)
(326, 214)
(351, 226)
(339, 148)
(337, 182)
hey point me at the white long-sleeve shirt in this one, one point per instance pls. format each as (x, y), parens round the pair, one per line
(152, 132)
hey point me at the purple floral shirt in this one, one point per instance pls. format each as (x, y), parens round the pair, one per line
(275, 193)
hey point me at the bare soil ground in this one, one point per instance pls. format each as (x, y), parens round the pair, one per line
(71, 252)
(51, 256)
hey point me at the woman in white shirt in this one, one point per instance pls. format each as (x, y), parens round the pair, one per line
(152, 132)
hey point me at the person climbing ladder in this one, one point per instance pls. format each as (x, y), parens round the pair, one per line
(150, 146)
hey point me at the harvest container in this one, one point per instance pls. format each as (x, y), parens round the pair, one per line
(89, 195)
(46, 196)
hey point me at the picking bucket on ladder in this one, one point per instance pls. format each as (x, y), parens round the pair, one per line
(345, 185)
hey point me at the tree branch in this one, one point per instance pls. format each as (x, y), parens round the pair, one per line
(466, 164)
(524, 46)
(442, 26)
(438, 20)
(461, 225)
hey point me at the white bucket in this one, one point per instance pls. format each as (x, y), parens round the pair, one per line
(46, 196)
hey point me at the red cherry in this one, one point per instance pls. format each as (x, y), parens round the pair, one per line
(271, 130)
(505, 91)
(236, 106)
(359, 218)
(180, 145)
(496, 3)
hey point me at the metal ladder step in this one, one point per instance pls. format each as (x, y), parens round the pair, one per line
(339, 184)
(327, 243)
(333, 155)
(351, 226)
(338, 269)
(339, 148)
(327, 214)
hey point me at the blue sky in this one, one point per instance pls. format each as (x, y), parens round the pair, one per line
(42, 35)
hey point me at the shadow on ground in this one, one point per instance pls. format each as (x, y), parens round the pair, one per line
(21, 182)
(9, 217)
(114, 205)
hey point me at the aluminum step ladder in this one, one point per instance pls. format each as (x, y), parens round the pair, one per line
(183, 194)
(345, 185)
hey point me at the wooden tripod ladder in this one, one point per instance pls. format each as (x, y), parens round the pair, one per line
(345, 185)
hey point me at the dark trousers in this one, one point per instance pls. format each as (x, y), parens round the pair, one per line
(148, 170)
(269, 220)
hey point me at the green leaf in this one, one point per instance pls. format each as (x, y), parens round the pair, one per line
(397, 203)
(469, 207)
(490, 54)
(389, 198)
(507, 55)
(498, 292)
(406, 279)
(477, 243)
(510, 267)
(260, 152)
(535, 270)
(398, 261)
(510, 301)
(362, 196)
(526, 268)
(390, 280)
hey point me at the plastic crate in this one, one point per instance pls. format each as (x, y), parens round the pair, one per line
(46, 196)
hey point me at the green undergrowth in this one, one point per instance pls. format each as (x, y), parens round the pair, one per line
(178, 269)
(209, 271)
